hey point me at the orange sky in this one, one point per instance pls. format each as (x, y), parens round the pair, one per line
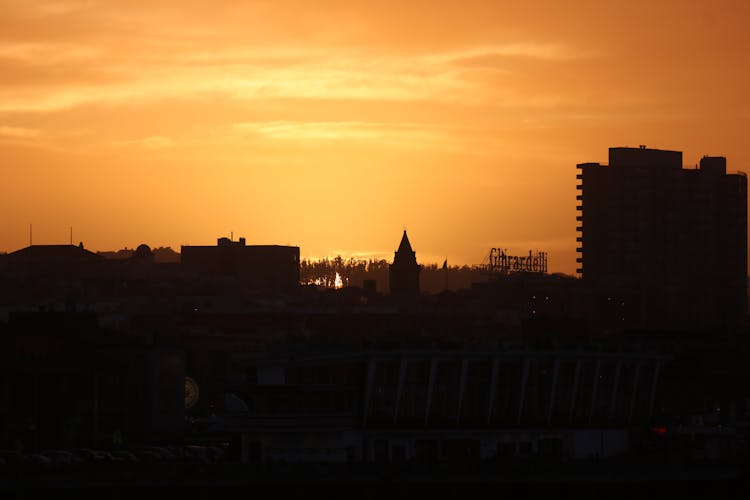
(334, 128)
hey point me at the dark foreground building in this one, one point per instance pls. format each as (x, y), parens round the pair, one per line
(66, 383)
(267, 267)
(673, 239)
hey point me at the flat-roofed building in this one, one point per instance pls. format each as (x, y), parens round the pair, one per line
(268, 267)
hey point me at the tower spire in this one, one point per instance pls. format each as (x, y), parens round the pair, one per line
(404, 272)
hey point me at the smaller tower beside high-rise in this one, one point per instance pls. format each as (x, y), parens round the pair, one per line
(404, 272)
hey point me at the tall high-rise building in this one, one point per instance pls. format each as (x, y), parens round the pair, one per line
(672, 239)
(404, 272)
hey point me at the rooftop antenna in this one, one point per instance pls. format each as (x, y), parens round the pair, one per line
(71, 235)
(30, 235)
(231, 235)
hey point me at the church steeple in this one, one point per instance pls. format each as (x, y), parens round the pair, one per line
(404, 253)
(404, 272)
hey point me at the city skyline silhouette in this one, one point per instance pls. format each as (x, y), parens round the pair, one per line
(433, 258)
(436, 249)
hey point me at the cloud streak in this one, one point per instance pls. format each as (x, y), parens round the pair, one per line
(18, 133)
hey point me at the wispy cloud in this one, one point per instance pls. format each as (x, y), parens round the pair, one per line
(18, 133)
(345, 130)
(51, 52)
(98, 69)
(151, 142)
(400, 136)
(491, 55)
(57, 7)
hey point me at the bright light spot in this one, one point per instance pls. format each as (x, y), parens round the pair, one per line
(338, 283)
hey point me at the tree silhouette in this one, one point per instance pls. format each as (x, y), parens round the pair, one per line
(354, 272)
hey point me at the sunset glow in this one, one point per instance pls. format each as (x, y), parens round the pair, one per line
(334, 125)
